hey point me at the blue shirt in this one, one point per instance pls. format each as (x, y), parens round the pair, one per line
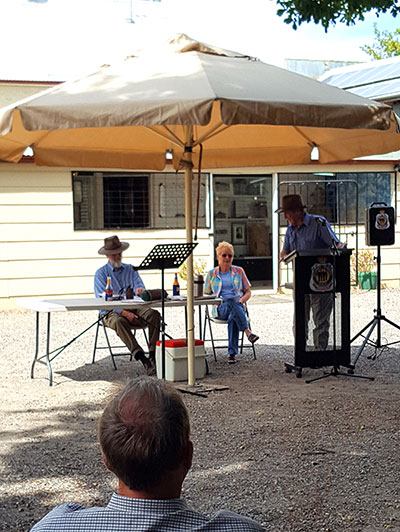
(310, 235)
(213, 283)
(227, 290)
(123, 514)
(120, 280)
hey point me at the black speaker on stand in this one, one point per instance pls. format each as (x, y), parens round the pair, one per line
(379, 231)
(379, 225)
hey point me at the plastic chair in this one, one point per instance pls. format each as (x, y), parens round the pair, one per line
(111, 348)
(209, 320)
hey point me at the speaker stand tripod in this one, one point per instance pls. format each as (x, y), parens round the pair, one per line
(336, 373)
(376, 322)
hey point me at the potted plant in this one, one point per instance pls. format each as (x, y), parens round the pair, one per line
(199, 272)
(366, 269)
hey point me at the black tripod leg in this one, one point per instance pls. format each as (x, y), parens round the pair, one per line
(362, 330)
(323, 376)
(335, 373)
(391, 322)
(357, 376)
(374, 324)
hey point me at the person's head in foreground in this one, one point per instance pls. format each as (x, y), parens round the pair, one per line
(144, 434)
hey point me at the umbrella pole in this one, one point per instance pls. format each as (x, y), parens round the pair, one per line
(188, 165)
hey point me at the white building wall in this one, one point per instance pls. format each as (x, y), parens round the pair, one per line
(42, 256)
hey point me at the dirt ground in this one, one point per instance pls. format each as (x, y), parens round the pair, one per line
(322, 456)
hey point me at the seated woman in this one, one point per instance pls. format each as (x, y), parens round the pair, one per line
(230, 284)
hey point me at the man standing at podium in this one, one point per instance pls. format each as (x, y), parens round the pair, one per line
(306, 232)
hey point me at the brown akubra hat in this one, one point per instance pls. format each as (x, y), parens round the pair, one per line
(291, 202)
(112, 246)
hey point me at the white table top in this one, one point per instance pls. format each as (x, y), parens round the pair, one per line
(93, 303)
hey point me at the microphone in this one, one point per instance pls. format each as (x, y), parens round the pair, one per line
(320, 221)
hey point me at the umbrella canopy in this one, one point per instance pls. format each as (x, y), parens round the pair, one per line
(244, 112)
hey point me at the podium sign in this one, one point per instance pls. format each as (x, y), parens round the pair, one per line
(321, 307)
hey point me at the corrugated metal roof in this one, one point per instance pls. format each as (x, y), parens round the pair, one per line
(379, 80)
(314, 68)
(29, 82)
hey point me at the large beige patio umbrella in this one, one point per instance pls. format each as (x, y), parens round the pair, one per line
(243, 112)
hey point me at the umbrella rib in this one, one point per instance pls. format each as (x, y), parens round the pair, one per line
(311, 143)
(171, 136)
(211, 133)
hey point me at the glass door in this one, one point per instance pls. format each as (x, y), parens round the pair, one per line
(243, 217)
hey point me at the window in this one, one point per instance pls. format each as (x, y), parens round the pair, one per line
(341, 197)
(121, 200)
(126, 202)
(242, 214)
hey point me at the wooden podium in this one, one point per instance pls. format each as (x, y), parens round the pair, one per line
(321, 284)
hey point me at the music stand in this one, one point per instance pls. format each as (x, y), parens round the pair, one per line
(163, 257)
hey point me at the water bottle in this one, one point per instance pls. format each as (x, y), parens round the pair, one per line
(198, 285)
(109, 291)
(175, 287)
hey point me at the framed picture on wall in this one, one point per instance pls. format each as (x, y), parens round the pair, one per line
(238, 233)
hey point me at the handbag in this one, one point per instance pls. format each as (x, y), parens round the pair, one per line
(154, 295)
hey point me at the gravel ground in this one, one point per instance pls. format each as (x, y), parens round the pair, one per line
(294, 456)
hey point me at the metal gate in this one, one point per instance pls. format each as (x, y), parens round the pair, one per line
(338, 201)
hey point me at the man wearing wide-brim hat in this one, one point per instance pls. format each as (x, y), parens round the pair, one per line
(123, 278)
(308, 232)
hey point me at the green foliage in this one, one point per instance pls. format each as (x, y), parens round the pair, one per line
(199, 268)
(386, 44)
(329, 12)
(366, 262)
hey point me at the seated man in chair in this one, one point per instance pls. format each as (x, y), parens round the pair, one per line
(122, 277)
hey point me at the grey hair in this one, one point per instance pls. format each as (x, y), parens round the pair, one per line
(144, 432)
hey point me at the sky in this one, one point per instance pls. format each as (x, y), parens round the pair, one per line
(63, 39)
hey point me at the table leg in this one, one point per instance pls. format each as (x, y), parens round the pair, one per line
(200, 327)
(36, 346)
(48, 351)
(36, 357)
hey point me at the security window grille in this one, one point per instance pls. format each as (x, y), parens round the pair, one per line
(126, 202)
(111, 200)
(337, 195)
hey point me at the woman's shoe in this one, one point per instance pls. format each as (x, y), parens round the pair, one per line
(231, 359)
